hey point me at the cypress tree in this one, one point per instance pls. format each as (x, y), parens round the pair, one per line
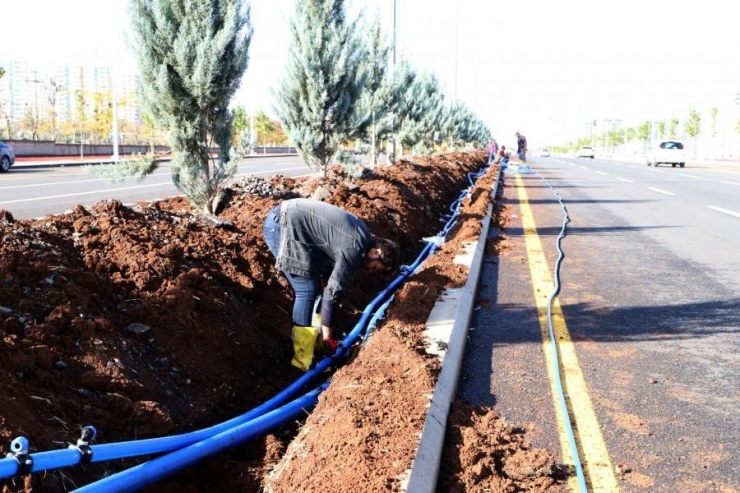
(192, 55)
(377, 97)
(317, 100)
(422, 113)
(462, 127)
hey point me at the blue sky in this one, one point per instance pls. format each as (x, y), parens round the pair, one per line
(536, 66)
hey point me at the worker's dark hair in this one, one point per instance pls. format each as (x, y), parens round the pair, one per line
(389, 252)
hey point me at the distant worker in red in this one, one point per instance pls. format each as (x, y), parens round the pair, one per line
(502, 157)
(314, 241)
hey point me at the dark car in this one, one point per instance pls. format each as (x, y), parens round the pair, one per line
(7, 158)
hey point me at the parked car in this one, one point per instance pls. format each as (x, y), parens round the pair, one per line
(667, 152)
(7, 158)
(544, 152)
(585, 151)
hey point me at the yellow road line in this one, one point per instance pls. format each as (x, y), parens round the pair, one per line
(597, 465)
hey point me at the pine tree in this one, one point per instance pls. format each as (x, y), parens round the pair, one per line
(462, 128)
(422, 113)
(378, 95)
(192, 55)
(317, 101)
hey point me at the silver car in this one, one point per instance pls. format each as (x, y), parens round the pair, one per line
(7, 158)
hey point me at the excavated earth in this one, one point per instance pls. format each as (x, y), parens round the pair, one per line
(149, 320)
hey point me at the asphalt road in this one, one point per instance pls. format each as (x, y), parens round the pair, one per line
(35, 190)
(650, 297)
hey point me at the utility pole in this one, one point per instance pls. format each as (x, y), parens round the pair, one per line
(457, 45)
(252, 133)
(35, 116)
(737, 127)
(115, 115)
(392, 142)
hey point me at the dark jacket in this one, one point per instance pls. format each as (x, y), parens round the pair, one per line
(322, 241)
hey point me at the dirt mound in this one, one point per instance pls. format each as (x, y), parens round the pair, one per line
(150, 320)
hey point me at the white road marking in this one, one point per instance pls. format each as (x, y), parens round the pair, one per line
(76, 194)
(725, 211)
(660, 191)
(687, 175)
(50, 184)
(583, 167)
(624, 180)
(632, 166)
(602, 173)
(729, 182)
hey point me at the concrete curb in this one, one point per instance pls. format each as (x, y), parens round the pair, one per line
(448, 325)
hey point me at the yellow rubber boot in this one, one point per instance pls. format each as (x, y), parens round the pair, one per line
(304, 340)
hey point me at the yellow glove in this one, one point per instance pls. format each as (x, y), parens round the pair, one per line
(316, 324)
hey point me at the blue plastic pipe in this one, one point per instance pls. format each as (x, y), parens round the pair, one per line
(150, 472)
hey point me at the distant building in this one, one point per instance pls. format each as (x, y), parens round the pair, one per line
(26, 87)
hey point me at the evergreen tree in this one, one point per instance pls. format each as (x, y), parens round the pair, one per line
(317, 101)
(459, 125)
(377, 98)
(401, 82)
(192, 55)
(421, 114)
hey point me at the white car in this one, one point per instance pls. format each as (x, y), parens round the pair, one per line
(544, 152)
(667, 152)
(585, 151)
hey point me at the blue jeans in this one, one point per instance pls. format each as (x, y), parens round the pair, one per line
(306, 289)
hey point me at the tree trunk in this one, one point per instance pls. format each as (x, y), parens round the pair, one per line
(372, 148)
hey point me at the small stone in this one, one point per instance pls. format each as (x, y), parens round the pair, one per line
(137, 328)
(60, 365)
(85, 393)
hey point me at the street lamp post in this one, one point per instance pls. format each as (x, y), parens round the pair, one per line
(392, 140)
(115, 115)
(737, 127)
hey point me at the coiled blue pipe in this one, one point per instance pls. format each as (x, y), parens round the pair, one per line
(69, 457)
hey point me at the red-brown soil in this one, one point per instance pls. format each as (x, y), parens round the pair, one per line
(148, 321)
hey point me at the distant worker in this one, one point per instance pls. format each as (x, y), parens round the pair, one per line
(502, 157)
(521, 147)
(492, 148)
(314, 241)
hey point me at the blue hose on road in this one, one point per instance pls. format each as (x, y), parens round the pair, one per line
(580, 476)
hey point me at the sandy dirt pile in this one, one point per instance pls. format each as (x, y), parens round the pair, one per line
(147, 321)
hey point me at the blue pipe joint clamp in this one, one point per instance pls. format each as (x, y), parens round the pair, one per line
(19, 452)
(83, 444)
